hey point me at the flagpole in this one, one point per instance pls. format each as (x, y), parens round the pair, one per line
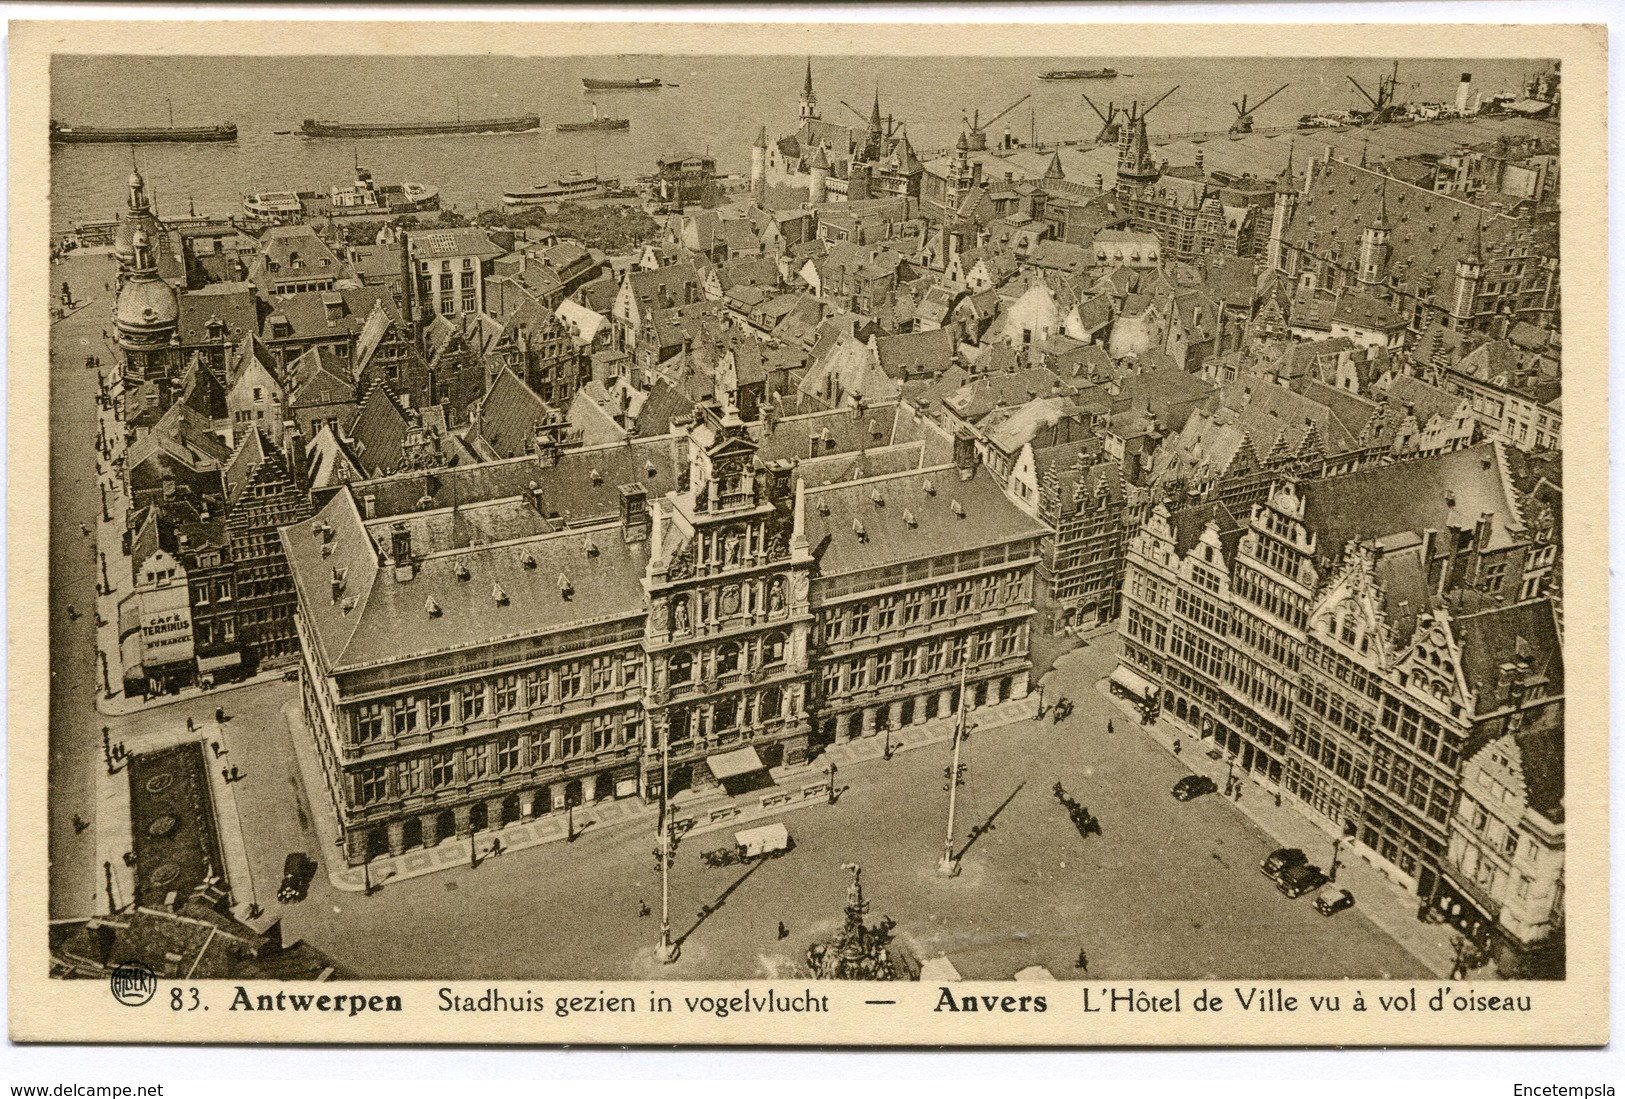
(949, 866)
(667, 950)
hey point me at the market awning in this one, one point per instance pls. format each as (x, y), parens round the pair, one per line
(1132, 681)
(740, 761)
(215, 663)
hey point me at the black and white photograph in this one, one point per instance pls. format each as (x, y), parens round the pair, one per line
(806, 515)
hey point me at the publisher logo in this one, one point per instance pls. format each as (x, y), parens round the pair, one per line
(133, 983)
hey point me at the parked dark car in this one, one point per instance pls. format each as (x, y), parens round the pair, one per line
(1334, 900)
(1279, 859)
(1193, 786)
(1297, 880)
(298, 869)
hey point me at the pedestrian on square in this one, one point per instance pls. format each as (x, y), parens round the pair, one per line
(784, 932)
(1109, 729)
(219, 715)
(225, 773)
(643, 909)
(235, 774)
(80, 824)
(1082, 962)
(190, 727)
(496, 847)
(129, 858)
(73, 613)
(1179, 746)
(1238, 791)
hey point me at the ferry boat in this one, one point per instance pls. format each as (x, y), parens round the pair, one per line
(62, 134)
(593, 85)
(1079, 74)
(571, 188)
(598, 122)
(515, 124)
(363, 198)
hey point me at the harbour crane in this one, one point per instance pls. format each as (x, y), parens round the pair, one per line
(1244, 114)
(1108, 121)
(978, 129)
(1383, 104)
(1135, 115)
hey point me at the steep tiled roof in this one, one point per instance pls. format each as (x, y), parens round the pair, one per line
(1522, 631)
(569, 488)
(989, 519)
(507, 416)
(916, 353)
(231, 303)
(1415, 496)
(378, 430)
(1429, 231)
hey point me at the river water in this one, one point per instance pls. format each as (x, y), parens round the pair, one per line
(717, 106)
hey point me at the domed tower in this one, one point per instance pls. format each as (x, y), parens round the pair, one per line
(146, 315)
(1374, 246)
(809, 101)
(138, 218)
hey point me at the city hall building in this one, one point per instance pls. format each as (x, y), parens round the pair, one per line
(488, 644)
(1349, 643)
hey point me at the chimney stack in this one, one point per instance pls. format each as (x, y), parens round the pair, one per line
(400, 547)
(965, 457)
(634, 512)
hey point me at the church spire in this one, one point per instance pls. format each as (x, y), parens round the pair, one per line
(809, 99)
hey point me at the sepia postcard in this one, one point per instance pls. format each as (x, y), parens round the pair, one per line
(968, 534)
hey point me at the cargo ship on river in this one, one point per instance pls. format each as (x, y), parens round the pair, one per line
(639, 83)
(62, 134)
(597, 123)
(516, 124)
(1079, 74)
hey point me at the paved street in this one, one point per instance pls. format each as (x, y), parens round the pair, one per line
(1169, 890)
(75, 728)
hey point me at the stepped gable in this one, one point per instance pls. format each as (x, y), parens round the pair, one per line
(1425, 401)
(253, 451)
(378, 430)
(1352, 413)
(1189, 522)
(506, 417)
(319, 377)
(1273, 415)
(989, 519)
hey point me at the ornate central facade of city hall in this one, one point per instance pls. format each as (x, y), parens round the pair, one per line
(491, 644)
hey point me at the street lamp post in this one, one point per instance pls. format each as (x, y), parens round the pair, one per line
(830, 771)
(948, 866)
(666, 951)
(1337, 850)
